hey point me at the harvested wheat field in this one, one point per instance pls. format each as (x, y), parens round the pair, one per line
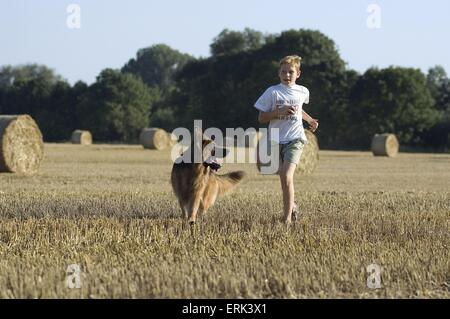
(110, 210)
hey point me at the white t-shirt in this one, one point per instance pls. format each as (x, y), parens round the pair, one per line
(291, 126)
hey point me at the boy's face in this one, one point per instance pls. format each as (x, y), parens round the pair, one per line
(288, 74)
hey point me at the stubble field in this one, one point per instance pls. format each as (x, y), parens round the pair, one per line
(110, 210)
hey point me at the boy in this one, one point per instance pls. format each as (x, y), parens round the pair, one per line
(281, 105)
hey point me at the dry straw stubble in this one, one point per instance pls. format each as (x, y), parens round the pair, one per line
(123, 227)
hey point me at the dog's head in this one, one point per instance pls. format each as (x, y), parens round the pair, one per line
(206, 151)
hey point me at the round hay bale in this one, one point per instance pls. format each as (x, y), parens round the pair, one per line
(385, 145)
(172, 139)
(21, 144)
(310, 155)
(309, 158)
(81, 137)
(154, 139)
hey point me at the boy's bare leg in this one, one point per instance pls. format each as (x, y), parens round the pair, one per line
(287, 186)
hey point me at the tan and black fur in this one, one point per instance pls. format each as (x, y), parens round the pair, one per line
(197, 186)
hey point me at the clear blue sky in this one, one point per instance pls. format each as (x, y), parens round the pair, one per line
(412, 33)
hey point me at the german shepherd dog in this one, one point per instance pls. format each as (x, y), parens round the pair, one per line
(197, 185)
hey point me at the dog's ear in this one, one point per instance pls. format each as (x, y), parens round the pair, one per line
(208, 149)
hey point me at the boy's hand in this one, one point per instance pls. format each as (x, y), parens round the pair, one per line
(287, 110)
(313, 125)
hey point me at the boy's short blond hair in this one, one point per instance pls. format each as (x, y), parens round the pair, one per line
(292, 60)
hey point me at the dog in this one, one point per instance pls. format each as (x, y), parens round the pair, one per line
(197, 185)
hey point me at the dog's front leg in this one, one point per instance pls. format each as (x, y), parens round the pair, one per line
(193, 209)
(184, 212)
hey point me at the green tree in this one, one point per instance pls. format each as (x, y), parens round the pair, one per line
(116, 107)
(232, 42)
(36, 90)
(439, 86)
(60, 117)
(393, 100)
(223, 89)
(438, 135)
(26, 88)
(56, 114)
(157, 65)
(9, 75)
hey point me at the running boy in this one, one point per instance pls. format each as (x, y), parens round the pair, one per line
(281, 106)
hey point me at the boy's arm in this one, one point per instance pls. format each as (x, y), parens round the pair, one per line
(313, 123)
(266, 117)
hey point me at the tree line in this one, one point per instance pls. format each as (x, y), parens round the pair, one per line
(165, 88)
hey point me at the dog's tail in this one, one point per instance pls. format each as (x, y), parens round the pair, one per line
(228, 182)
